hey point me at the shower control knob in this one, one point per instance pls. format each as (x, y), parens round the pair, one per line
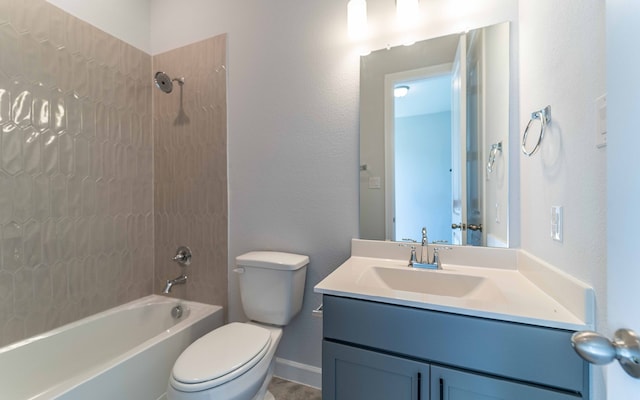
(183, 256)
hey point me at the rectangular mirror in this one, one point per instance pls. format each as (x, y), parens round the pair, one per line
(435, 155)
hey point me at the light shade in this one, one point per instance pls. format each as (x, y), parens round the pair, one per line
(407, 11)
(400, 91)
(357, 19)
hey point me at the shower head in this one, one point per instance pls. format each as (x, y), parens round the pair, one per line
(165, 83)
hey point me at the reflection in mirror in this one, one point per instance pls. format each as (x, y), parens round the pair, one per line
(433, 157)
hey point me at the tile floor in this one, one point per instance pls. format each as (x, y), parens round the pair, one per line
(286, 390)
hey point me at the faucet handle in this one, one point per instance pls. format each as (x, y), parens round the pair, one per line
(183, 256)
(436, 255)
(413, 259)
(436, 258)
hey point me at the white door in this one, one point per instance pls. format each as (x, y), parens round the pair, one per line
(623, 184)
(459, 142)
(475, 132)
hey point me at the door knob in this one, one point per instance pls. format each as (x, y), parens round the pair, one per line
(473, 227)
(597, 349)
(460, 226)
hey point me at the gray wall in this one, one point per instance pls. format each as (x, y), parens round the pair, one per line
(568, 170)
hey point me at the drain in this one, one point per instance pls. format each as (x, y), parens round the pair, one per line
(176, 312)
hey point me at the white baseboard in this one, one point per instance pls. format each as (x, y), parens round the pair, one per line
(300, 373)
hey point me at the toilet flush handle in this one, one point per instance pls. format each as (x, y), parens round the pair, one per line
(238, 270)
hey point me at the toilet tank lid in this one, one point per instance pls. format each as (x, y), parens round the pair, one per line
(272, 260)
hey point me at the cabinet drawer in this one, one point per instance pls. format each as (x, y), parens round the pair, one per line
(524, 352)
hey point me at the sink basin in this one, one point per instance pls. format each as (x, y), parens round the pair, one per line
(420, 281)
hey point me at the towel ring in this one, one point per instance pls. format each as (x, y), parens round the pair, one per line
(544, 116)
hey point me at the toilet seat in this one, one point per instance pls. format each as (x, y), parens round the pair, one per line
(220, 356)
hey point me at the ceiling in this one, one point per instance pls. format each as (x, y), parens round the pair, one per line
(426, 96)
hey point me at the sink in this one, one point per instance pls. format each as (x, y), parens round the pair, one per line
(482, 282)
(436, 283)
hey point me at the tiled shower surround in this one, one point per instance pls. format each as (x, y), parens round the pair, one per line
(191, 170)
(77, 217)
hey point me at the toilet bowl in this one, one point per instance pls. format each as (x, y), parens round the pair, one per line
(230, 363)
(235, 361)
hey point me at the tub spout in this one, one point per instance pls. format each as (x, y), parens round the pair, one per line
(182, 279)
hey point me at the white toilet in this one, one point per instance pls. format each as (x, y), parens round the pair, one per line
(235, 361)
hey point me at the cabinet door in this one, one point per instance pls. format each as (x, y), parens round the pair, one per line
(351, 373)
(448, 384)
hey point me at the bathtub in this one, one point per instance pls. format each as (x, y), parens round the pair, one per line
(124, 353)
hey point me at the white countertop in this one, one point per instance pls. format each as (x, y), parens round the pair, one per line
(507, 293)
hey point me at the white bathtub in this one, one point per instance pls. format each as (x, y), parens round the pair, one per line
(125, 353)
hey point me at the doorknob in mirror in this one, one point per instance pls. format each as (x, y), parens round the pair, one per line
(597, 349)
(473, 227)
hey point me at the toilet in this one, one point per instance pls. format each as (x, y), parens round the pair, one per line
(235, 361)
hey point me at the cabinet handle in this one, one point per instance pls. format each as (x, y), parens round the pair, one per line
(419, 386)
(441, 389)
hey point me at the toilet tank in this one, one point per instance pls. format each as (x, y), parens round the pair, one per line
(271, 285)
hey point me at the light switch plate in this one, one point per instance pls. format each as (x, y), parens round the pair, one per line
(556, 223)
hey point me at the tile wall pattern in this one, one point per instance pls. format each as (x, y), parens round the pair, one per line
(76, 170)
(190, 142)
(77, 218)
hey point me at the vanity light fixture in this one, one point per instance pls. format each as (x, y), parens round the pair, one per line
(357, 19)
(400, 91)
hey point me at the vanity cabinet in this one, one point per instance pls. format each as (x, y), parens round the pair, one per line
(382, 351)
(450, 384)
(359, 374)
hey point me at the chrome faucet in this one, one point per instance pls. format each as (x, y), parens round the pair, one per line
(413, 259)
(182, 279)
(424, 259)
(183, 258)
(425, 246)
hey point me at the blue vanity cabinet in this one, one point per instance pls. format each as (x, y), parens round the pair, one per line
(370, 349)
(358, 374)
(450, 384)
